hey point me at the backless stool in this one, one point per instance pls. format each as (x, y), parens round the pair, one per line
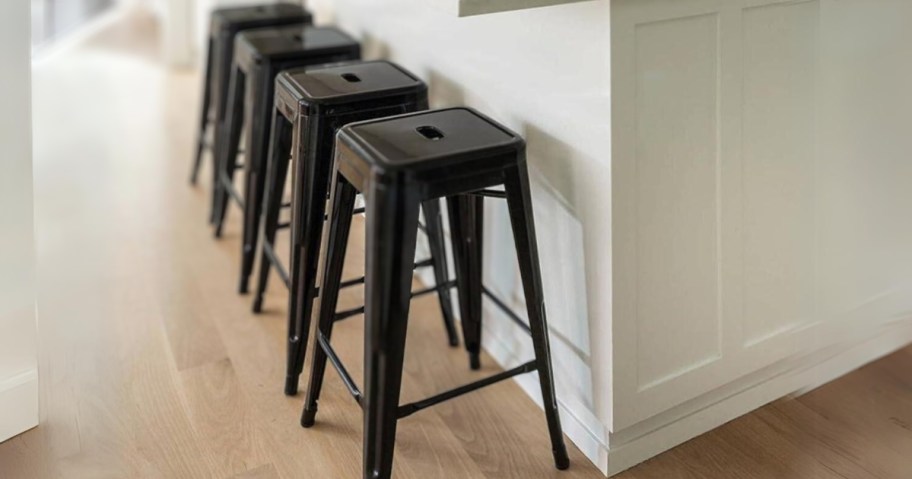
(311, 104)
(397, 164)
(224, 25)
(259, 57)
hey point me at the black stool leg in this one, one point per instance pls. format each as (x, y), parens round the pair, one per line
(392, 224)
(204, 121)
(311, 182)
(519, 201)
(341, 212)
(466, 229)
(276, 171)
(434, 228)
(230, 140)
(260, 103)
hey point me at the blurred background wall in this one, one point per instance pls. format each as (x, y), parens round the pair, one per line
(18, 348)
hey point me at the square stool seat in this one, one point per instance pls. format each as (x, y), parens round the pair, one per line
(456, 140)
(275, 45)
(235, 19)
(311, 90)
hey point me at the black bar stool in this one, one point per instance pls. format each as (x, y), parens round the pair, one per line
(311, 104)
(260, 55)
(397, 164)
(224, 25)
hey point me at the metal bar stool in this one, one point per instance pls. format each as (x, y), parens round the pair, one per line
(225, 23)
(311, 104)
(397, 164)
(260, 55)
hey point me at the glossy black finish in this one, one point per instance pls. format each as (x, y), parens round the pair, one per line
(225, 24)
(259, 57)
(399, 163)
(311, 105)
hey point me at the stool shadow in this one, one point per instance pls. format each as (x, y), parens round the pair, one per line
(443, 92)
(372, 48)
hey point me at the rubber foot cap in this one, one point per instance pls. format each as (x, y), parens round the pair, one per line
(291, 386)
(475, 361)
(258, 305)
(308, 418)
(561, 460)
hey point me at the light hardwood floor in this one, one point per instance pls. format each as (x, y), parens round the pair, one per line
(152, 366)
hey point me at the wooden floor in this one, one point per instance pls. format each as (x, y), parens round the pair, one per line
(152, 366)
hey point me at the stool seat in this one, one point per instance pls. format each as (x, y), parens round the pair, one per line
(312, 89)
(235, 19)
(290, 42)
(431, 140)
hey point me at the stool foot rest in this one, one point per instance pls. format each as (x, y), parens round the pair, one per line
(506, 309)
(411, 408)
(280, 268)
(433, 289)
(337, 363)
(339, 316)
(357, 211)
(348, 313)
(490, 193)
(231, 190)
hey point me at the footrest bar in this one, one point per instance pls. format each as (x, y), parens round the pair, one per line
(409, 409)
(433, 289)
(340, 368)
(348, 313)
(286, 205)
(490, 193)
(280, 268)
(424, 263)
(232, 192)
(506, 309)
(352, 282)
(356, 211)
(283, 226)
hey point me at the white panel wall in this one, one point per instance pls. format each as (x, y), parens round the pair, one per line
(761, 195)
(544, 73)
(18, 348)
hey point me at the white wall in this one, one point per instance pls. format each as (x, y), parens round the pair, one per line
(18, 347)
(544, 73)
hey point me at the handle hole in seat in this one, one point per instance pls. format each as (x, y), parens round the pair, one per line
(351, 77)
(430, 132)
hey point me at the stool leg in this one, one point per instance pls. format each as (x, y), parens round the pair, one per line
(519, 202)
(204, 121)
(259, 128)
(434, 228)
(276, 171)
(392, 224)
(343, 203)
(311, 182)
(466, 230)
(229, 140)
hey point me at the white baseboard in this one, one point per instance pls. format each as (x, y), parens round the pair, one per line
(627, 450)
(18, 404)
